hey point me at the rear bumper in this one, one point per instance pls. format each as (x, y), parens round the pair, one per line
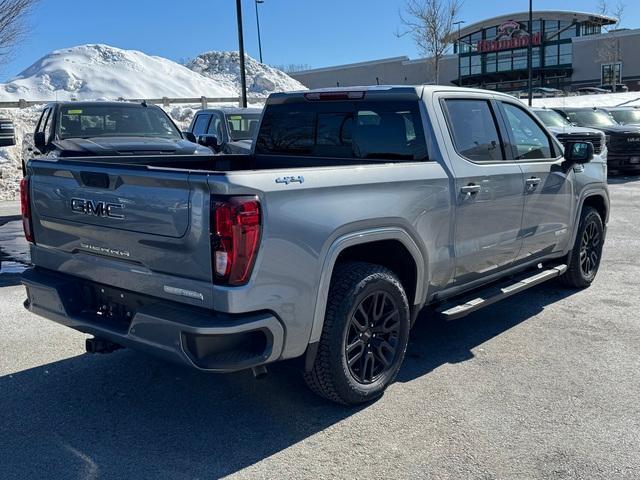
(191, 336)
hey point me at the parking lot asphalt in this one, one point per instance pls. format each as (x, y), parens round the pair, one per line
(543, 385)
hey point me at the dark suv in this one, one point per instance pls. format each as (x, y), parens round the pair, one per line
(623, 141)
(88, 129)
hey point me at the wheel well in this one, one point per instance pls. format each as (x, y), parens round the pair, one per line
(391, 254)
(597, 202)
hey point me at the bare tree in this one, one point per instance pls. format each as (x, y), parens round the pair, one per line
(430, 24)
(13, 15)
(608, 49)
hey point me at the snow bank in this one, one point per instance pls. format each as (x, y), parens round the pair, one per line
(90, 72)
(603, 100)
(224, 68)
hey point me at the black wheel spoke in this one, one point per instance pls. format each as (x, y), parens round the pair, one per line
(372, 337)
(590, 245)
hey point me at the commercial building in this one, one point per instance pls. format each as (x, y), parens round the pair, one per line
(569, 50)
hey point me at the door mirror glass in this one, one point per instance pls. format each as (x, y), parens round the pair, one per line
(210, 141)
(578, 152)
(39, 140)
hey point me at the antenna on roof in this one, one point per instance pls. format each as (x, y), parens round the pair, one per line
(143, 103)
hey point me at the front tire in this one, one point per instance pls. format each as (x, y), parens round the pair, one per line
(584, 259)
(364, 337)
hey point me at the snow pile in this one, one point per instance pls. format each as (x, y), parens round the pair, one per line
(224, 68)
(602, 100)
(10, 157)
(91, 72)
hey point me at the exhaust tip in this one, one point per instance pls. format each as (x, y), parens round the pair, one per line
(259, 372)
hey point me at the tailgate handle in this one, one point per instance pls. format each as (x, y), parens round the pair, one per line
(95, 179)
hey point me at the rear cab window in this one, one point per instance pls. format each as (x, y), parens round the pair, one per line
(474, 130)
(357, 131)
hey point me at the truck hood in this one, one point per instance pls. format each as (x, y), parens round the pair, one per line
(573, 130)
(127, 146)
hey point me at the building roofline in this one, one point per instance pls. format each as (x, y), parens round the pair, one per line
(403, 58)
(537, 14)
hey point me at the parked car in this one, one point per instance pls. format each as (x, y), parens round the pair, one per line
(84, 129)
(567, 132)
(624, 115)
(623, 141)
(618, 87)
(358, 208)
(591, 91)
(226, 130)
(7, 133)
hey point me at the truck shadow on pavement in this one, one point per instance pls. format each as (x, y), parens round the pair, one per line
(126, 415)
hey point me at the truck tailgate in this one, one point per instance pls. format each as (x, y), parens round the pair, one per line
(105, 222)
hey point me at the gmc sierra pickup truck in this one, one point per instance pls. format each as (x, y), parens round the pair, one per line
(357, 208)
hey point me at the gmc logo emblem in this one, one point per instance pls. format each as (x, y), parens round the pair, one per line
(97, 209)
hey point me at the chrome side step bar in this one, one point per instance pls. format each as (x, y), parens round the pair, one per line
(480, 298)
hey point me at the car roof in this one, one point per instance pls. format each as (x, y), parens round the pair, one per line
(103, 104)
(231, 110)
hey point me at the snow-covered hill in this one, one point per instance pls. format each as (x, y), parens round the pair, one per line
(224, 67)
(88, 72)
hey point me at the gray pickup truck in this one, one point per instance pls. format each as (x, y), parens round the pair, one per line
(357, 208)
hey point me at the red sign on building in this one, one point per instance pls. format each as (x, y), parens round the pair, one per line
(509, 43)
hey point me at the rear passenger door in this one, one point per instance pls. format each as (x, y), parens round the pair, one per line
(548, 194)
(488, 188)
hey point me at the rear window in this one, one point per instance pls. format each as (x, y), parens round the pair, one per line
(349, 130)
(86, 121)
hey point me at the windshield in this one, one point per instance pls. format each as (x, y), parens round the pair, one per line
(626, 116)
(243, 126)
(591, 118)
(87, 121)
(551, 118)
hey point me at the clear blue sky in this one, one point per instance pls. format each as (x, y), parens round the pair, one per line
(315, 32)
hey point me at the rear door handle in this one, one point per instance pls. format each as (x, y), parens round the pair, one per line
(470, 189)
(532, 182)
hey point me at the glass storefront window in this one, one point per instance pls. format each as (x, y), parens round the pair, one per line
(535, 26)
(535, 57)
(565, 53)
(464, 44)
(611, 73)
(551, 55)
(490, 63)
(550, 28)
(570, 31)
(476, 64)
(520, 59)
(464, 66)
(491, 33)
(504, 61)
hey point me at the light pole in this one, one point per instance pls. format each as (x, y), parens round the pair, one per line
(458, 23)
(243, 77)
(258, 24)
(530, 54)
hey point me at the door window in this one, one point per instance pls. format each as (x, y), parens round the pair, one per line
(473, 129)
(215, 127)
(530, 141)
(201, 124)
(43, 120)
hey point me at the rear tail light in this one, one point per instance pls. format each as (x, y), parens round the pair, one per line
(25, 206)
(235, 236)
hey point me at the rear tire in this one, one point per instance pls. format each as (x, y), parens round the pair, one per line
(584, 259)
(364, 336)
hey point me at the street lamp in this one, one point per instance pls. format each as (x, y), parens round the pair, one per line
(258, 24)
(530, 54)
(458, 23)
(243, 76)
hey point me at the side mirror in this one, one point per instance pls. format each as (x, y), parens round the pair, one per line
(40, 141)
(190, 137)
(7, 133)
(578, 152)
(210, 141)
